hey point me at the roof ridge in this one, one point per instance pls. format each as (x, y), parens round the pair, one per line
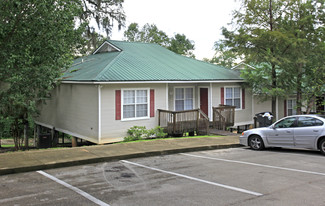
(135, 42)
(107, 66)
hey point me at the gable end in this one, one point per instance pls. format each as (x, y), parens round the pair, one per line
(106, 47)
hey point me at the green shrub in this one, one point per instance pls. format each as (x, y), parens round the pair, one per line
(140, 132)
(135, 133)
(156, 132)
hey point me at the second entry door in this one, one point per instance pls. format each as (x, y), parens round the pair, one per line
(204, 100)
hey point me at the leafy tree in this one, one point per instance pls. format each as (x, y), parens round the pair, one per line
(148, 33)
(151, 34)
(224, 56)
(264, 33)
(181, 45)
(103, 14)
(304, 28)
(133, 32)
(37, 42)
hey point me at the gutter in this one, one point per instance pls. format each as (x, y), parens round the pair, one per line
(149, 82)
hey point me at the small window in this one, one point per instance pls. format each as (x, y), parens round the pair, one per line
(286, 123)
(135, 103)
(309, 122)
(233, 96)
(183, 99)
(291, 107)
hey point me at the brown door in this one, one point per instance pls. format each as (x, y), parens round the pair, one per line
(204, 101)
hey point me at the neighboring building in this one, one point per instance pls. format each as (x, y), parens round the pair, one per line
(122, 84)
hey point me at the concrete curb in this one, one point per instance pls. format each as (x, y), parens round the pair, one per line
(42, 166)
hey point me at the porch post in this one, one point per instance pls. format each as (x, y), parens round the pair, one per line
(210, 107)
(74, 142)
(52, 136)
(174, 122)
(197, 121)
(38, 134)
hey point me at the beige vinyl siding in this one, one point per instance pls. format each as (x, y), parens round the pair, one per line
(242, 116)
(261, 106)
(245, 116)
(281, 108)
(74, 109)
(171, 94)
(115, 130)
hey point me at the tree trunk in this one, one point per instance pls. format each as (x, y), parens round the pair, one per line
(299, 89)
(26, 135)
(274, 86)
(310, 104)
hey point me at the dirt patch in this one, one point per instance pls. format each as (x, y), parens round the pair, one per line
(60, 144)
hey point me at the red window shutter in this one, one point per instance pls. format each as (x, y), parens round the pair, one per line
(152, 103)
(222, 95)
(243, 99)
(285, 108)
(118, 105)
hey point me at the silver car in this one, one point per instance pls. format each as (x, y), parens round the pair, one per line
(298, 131)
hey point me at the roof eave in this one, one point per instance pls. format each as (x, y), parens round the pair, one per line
(154, 82)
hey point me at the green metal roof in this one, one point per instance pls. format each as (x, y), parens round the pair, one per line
(135, 61)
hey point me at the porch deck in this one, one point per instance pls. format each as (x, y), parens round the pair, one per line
(176, 123)
(223, 117)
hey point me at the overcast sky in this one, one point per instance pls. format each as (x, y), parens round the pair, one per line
(200, 21)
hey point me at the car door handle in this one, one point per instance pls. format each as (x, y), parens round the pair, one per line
(288, 132)
(315, 130)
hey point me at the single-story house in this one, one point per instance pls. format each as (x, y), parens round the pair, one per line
(123, 84)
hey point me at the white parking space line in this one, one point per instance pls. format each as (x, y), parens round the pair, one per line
(195, 179)
(77, 190)
(255, 164)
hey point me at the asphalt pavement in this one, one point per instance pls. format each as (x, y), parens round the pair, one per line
(16, 162)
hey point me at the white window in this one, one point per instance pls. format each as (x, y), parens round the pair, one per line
(291, 107)
(184, 99)
(135, 103)
(233, 96)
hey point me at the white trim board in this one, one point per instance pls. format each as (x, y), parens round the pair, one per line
(148, 82)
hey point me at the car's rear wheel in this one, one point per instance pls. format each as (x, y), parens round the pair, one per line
(256, 142)
(322, 146)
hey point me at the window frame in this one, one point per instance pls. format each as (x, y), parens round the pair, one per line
(293, 124)
(184, 87)
(240, 96)
(294, 110)
(135, 103)
(312, 119)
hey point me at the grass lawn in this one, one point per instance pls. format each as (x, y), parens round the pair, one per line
(8, 145)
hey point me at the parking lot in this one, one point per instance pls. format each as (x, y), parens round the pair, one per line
(237, 176)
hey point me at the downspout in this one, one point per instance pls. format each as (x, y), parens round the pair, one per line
(99, 113)
(253, 107)
(277, 109)
(210, 107)
(167, 96)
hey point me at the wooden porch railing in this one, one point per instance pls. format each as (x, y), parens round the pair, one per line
(176, 123)
(223, 116)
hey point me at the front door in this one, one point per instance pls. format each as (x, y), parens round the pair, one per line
(204, 100)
